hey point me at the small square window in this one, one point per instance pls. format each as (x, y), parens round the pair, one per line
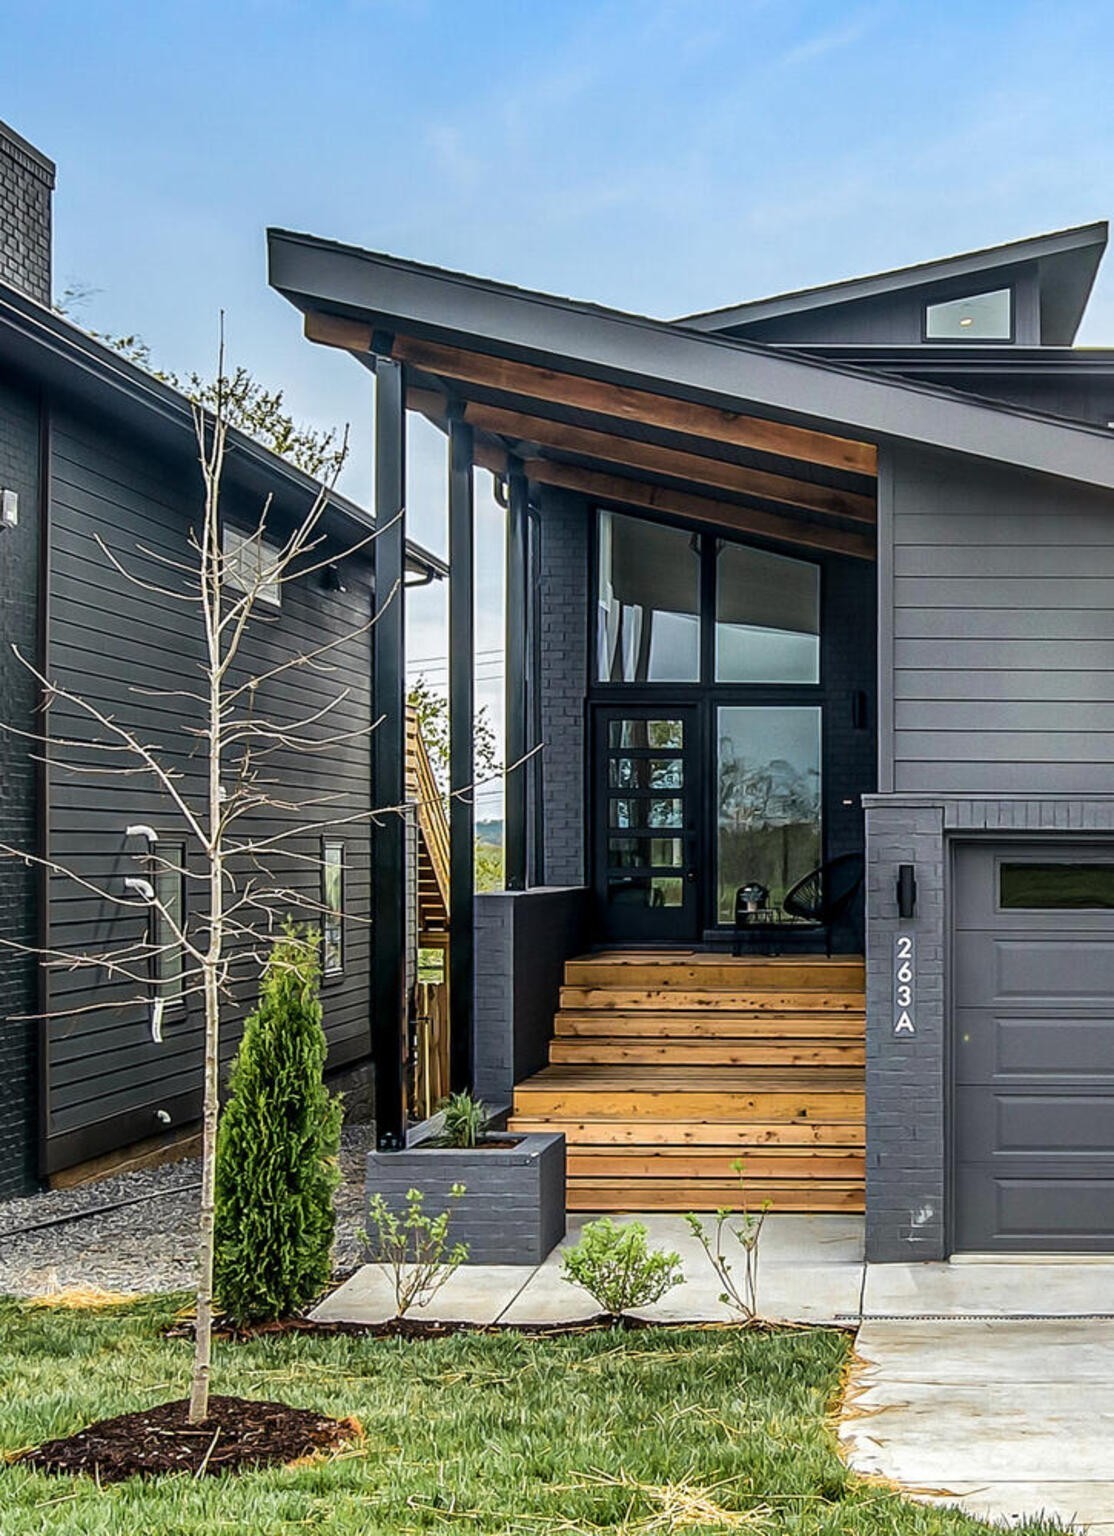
(246, 557)
(332, 900)
(979, 317)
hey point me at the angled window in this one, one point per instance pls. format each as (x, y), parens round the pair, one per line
(168, 919)
(247, 557)
(767, 617)
(979, 317)
(648, 602)
(332, 899)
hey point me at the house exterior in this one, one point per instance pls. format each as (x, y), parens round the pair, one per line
(92, 448)
(830, 573)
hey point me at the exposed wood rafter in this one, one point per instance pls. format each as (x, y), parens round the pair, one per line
(786, 528)
(653, 458)
(619, 401)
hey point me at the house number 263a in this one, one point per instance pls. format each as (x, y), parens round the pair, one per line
(905, 984)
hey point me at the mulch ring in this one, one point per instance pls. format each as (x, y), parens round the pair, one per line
(238, 1435)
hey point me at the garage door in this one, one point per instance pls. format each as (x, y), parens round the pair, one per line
(1033, 999)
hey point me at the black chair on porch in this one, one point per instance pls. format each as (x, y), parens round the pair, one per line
(814, 904)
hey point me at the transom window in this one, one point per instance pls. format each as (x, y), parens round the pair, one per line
(659, 622)
(979, 317)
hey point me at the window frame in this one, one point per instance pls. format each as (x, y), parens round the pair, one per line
(331, 974)
(971, 341)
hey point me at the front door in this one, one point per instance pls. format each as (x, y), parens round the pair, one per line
(647, 819)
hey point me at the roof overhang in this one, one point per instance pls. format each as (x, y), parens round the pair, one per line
(75, 366)
(1068, 260)
(392, 296)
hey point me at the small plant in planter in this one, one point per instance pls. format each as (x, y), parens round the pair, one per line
(617, 1267)
(740, 1292)
(414, 1246)
(466, 1118)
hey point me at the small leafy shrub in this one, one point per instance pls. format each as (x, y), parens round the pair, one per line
(465, 1122)
(617, 1267)
(740, 1292)
(276, 1168)
(414, 1246)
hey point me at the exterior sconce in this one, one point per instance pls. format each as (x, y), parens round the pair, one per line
(9, 509)
(906, 890)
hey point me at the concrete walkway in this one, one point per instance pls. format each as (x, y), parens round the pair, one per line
(811, 1271)
(984, 1384)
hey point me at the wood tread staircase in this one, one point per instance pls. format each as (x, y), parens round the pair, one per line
(667, 1067)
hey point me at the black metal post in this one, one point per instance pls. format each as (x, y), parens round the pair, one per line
(462, 773)
(515, 656)
(388, 857)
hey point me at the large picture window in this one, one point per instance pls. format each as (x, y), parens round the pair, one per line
(768, 789)
(648, 601)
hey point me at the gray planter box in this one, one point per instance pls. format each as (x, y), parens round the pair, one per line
(513, 1207)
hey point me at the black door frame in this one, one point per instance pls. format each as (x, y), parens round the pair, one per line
(669, 925)
(706, 697)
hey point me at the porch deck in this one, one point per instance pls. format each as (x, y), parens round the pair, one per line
(665, 1067)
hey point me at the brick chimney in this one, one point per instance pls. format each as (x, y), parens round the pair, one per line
(26, 185)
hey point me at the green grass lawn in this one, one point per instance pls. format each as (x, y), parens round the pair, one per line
(598, 1433)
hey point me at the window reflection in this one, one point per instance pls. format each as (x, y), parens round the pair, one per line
(767, 617)
(648, 602)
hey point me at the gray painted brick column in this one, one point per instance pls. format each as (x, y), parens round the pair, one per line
(905, 1153)
(564, 679)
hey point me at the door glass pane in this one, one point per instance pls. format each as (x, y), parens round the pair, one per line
(647, 603)
(659, 734)
(645, 852)
(645, 891)
(768, 785)
(767, 617)
(646, 813)
(646, 772)
(1048, 887)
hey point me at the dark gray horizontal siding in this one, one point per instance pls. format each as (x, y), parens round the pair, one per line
(1003, 626)
(110, 641)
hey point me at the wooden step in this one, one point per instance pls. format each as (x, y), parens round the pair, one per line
(844, 974)
(698, 1133)
(715, 1163)
(701, 1195)
(693, 1093)
(700, 999)
(727, 1024)
(604, 1051)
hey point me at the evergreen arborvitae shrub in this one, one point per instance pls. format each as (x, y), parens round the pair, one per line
(277, 1149)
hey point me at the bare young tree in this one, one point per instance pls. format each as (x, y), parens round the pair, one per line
(228, 814)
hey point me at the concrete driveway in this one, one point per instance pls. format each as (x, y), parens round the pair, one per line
(1008, 1418)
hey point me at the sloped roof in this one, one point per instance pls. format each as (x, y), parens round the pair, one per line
(1069, 260)
(391, 294)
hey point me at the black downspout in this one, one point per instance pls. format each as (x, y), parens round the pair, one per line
(514, 835)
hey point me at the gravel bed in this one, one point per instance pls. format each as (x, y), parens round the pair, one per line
(148, 1246)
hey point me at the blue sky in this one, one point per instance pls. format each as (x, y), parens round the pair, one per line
(652, 154)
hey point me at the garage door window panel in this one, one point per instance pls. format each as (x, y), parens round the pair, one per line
(1055, 887)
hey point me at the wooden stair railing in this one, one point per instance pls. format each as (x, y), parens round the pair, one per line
(433, 829)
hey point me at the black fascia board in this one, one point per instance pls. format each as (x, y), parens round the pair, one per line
(388, 293)
(55, 353)
(1076, 253)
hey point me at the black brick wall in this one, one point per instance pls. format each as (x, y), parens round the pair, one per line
(564, 667)
(19, 625)
(26, 184)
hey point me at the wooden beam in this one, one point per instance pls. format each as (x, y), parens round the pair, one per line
(786, 528)
(617, 400)
(659, 459)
